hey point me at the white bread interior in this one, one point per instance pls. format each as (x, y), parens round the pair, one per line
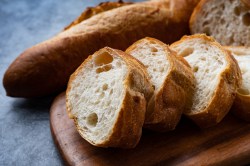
(228, 21)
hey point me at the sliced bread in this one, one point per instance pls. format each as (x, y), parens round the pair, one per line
(241, 106)
(106, 97)
(173, 81)
(217, 78)
(228, 21)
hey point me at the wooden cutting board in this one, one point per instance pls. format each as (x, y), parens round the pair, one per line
(226, 144)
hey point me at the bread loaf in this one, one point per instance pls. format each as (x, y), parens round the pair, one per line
(106, 97)
(217, 78)
(241, 106)
(173, 81)
(228, 21)
(45, 68)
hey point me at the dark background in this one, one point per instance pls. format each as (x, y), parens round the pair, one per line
(25, 137)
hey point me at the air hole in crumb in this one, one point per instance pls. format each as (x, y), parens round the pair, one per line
(207, 31)
(118, 64)
(222, 6)
(231, 40)
(105, 87)
(76, 96)
(103, 59)
(102, 95)
(205, 23)
(92, 120)
(243, 91)
(154, 69)
(186, 52)
(246, 19)
(103, 68)
(153, 87)
(153, 49)
(161, 69)
(222, 21)
(203, 58)
(196, 68)
(97, 102)
(111, 92)
(97, 90)
(136, 99)
(237, 11)
(108, 103)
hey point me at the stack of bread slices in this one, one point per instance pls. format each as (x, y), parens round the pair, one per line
(114, 94)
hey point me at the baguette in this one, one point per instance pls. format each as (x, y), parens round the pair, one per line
(45, 68)
(241, 106)
(173, 81)
(106, 97)
(217, 74)
(227, 21)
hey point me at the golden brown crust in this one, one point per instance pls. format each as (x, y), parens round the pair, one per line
(45, 68)
(92, 11)
(175, 94)
(127, 130)
(230, 79)
(241, 106)
(194, 14)
(246, 2)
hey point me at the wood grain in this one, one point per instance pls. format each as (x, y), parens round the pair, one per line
(225, 144)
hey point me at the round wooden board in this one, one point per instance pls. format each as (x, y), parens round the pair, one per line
(225, 144)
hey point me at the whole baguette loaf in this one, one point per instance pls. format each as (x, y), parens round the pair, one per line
(217, 78)
(241, 106)
(228, 21)
(107, 96)
(45, 68)
(174, 83)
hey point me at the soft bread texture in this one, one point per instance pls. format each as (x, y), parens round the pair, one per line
(217, 78)
(45, 68)
(174, 83)
(228, 21)
(106, 97)
(241, 106)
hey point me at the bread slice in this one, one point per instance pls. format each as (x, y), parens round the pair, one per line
(106, 97)
(241, 106)
(217, 74)
(172, 79)
(228, 21)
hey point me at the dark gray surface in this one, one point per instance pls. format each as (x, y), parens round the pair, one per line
(25, 137)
